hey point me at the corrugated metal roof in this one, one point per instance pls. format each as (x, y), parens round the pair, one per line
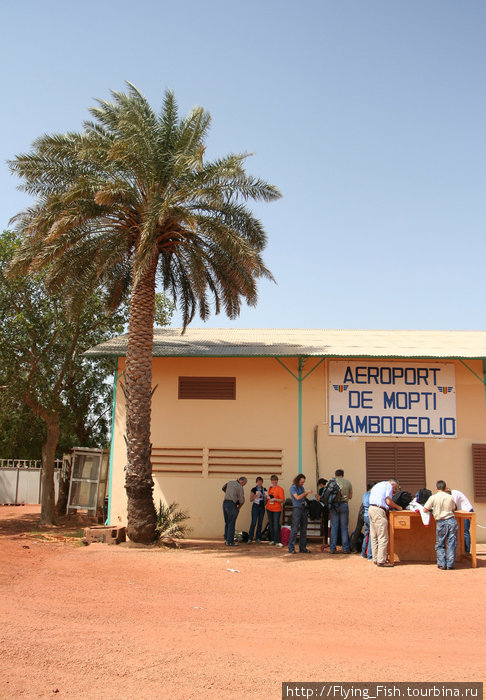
(292, 342)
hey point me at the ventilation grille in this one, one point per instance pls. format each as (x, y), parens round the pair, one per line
(244, 461)
(177, 460)
(222, 388)
(214, 461)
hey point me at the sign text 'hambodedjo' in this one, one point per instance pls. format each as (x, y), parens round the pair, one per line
(389, 398)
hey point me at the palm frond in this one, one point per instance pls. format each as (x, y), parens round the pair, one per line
(170, 522)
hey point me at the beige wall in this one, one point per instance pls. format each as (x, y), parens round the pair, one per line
(265, 416)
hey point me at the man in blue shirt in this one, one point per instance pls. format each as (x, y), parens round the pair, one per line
(380, 503)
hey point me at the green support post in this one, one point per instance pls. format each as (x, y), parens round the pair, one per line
(301, 366)
(300, 379)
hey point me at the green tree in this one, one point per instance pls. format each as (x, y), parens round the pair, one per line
(42, 371)
(22, 433)
(131, 200)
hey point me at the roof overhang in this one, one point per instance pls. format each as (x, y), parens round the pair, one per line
(294, 342)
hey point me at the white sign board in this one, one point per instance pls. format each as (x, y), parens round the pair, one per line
(392, 398)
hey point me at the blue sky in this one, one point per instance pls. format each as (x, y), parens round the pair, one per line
(368, 115)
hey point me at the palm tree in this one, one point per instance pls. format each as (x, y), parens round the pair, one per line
(131, 200)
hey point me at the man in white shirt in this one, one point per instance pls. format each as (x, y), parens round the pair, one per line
(380, 503)
(463, 503)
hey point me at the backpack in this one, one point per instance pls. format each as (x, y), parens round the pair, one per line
(266, 533)
(423, 496)
(314, 509)
(356, 538)
(331, 493)
(241, 536)
(402, 498)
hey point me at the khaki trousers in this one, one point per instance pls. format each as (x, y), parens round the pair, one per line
(378, 534)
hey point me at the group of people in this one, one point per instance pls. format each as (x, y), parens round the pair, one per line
(263, 501)
(271, 502)
(377, 502)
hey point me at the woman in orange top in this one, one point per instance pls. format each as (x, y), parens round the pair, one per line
(276, 497)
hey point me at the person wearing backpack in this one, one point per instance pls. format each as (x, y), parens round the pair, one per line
(340, 513)
(299, 515)
(321, 486)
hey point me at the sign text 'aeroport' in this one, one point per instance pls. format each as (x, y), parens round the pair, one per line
(392, 399)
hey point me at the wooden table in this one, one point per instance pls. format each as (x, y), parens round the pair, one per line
(411, 540)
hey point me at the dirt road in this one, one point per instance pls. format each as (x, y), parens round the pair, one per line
(116, 622)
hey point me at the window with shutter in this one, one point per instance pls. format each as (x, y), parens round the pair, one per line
(403, 461)
(479, 472)
(223, 388)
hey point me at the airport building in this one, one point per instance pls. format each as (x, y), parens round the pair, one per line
(256, 402)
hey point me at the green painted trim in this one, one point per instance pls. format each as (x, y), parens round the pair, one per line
(481, 379)
(110, 468)
(301, 365)
(315, 367)
(300, 379)
(285, 367)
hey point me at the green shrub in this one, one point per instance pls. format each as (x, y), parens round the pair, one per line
(170, 522)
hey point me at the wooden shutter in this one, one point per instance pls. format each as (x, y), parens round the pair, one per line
(380, 461)
(207, 388)
(403, 461)
(411, 466)
(479, 472)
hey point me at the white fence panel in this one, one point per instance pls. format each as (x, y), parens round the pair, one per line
(23, 486)
(28, 486)
(8, 485)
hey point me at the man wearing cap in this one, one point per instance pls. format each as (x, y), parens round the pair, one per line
(380, 503)
(234, 497)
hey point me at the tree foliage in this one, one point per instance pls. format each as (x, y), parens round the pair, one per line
(50, 393)
(132, 200)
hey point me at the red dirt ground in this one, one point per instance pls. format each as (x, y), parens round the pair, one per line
(120, 622)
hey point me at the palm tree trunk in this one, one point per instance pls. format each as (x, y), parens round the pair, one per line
(138, 389)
